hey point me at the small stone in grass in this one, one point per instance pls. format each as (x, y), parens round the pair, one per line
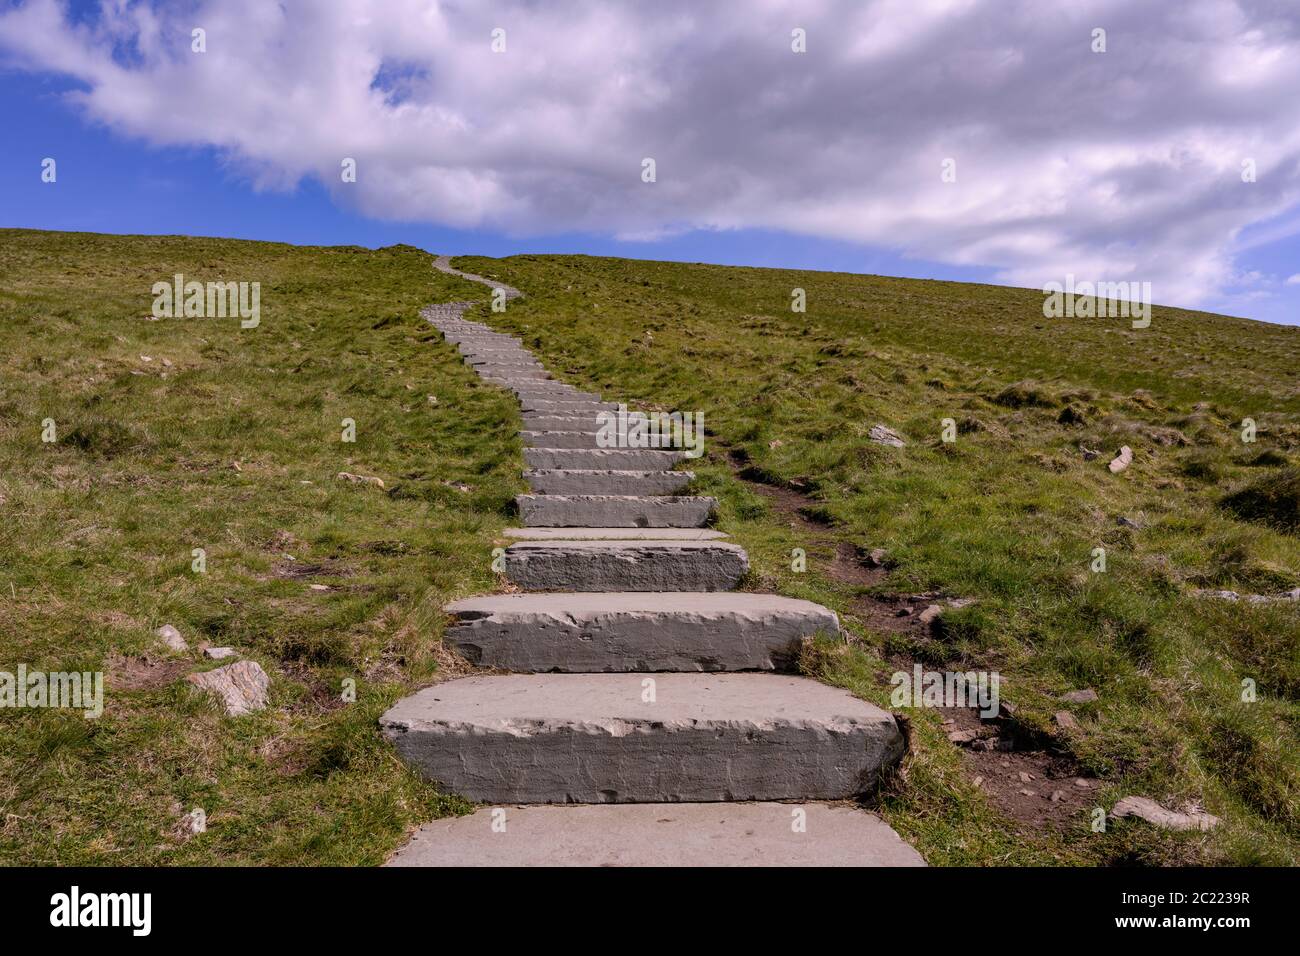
(172, 638)
(361, 479)
(242, 686)
(877, 557)
(218, 653)
(1165, 819)
(194, 822)
(1080, 696)
(1065, 720)
(1121, 461)
(884, 435)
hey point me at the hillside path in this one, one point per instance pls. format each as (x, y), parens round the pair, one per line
(634, 709)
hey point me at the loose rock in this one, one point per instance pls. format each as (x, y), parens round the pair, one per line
(361, 479)
(218, 653)
(242, 686)
(1159, 816)
(1122, 460)
(930, 613)
(1065, 720)
(1080, 696)
(194, 822)
(172, 638)
(884, 435)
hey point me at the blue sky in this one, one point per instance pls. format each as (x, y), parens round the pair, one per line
(461, 151)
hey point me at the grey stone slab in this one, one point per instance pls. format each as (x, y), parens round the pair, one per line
(615, 511)
(614, 534)
(574, 439)
(557, 439)
(607, 482)
(660, 834)
(551, 391)
(506, 359)
(629, 738)
(482, 338)
(535, 422)
(635, 631)
(522, 373)
(578, 565)
(602, 459)
(469, 349)
(543, 406)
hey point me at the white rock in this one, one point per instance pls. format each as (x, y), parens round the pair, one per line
(884, 435)
(1156, 815)
(1122, 460)
(172, 638)
(361, 479)
(218, 653)
(242, 686)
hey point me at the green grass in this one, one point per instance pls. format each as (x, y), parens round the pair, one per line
(97, 529)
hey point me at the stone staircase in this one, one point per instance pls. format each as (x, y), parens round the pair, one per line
(644, 692)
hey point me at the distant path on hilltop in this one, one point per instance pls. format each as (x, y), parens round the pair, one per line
(443, 264)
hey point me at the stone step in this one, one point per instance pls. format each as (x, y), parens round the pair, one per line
(614, 511)
(579, 439)
(469, 349)
(627, 738)
(550, 407)
(494, 340)
(660, 834)
(573, 564)
(549, 439)
(635, 631)
(534, 422)
(506, 360)
(602, 459)
(514, 373)
(614, 534)
(542, 391)
(607, 482)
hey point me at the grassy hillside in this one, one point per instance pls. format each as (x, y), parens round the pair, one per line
(1008, 514)
(194, 433)
(97, 530)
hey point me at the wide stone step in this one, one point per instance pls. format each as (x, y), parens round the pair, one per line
(614, 511)
(607, 482)
(602, 459)
(514, 373)
(635, 631)
(614, 534)
(483, 339)
(471, 350)
(543, 391)
(584, 565)
(628, 738)
(564, 407)
(561, 423)
(549, 439)
(517, 358)
(660, 834)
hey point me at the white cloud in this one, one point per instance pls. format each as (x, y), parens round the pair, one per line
(1122, 165)
(1293, 280)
